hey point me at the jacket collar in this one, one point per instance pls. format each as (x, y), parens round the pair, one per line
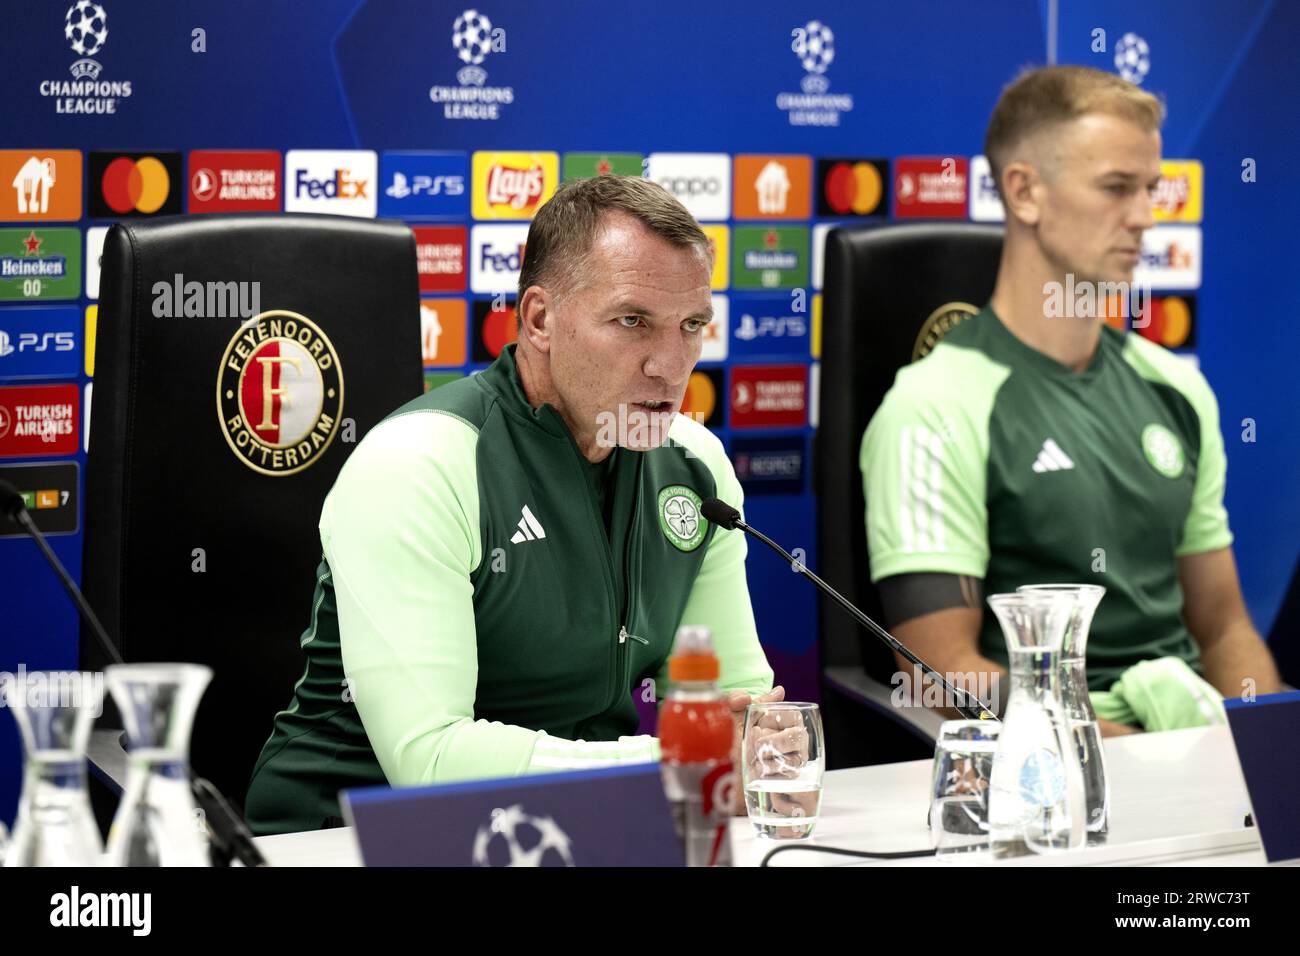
(502, 378)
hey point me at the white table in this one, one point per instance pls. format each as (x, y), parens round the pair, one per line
(1177, 798)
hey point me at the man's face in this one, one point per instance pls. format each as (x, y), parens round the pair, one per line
(1096, 199)
(626, 338)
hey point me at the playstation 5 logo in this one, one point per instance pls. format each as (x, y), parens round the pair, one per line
(425, 186)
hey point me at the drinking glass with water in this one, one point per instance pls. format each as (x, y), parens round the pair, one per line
(784, 760)
(959, 785)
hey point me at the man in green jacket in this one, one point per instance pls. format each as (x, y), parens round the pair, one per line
(1038, 445)
(508, 557)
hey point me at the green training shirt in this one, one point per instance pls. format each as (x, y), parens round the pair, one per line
(488, 601)
(987, 458)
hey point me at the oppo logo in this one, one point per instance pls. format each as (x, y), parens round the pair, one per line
(691, 185)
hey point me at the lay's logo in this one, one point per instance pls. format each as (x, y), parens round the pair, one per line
(513, 185)
(1177, 196)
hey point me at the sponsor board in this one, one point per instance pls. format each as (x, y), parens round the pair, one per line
(769, 396)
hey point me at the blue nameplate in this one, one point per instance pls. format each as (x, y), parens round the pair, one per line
(1267, 734)
(617, 816)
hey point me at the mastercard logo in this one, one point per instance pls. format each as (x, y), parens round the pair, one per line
(494, 329)
(135, 184)
(701, 397)
(1170, 322)
(853, 188)
(139, 185)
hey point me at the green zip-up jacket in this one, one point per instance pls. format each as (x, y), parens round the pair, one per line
(474, 616)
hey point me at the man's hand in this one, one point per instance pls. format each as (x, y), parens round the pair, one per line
(739, 702)
(1109, 728)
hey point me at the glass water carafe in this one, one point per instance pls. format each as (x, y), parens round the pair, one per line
(1036, 795)
(1078, 703)
(55, 825)
(158, 822)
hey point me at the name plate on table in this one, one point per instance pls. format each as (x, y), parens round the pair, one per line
(1267, 734)
(616, 816)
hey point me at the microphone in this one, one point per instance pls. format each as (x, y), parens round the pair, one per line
(727, 517)
(230, 836)
(14, 507)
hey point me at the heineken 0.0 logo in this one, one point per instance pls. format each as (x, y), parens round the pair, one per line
(1163, 450)
(680, 518)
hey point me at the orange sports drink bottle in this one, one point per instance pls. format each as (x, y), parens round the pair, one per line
(696, 736)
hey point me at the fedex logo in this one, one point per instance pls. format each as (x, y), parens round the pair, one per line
(342, 185)
(490, 259)
(497, 256)
(1170, 258)
(340, 182)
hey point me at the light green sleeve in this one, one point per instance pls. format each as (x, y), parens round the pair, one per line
(719, 599)
(400, 530)
(924, 463)
(1206, 528)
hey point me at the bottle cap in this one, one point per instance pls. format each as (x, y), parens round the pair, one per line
(693, 658)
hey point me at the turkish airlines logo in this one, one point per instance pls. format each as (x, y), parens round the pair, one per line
(234, 181)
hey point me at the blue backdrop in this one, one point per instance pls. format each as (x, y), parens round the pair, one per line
(905, 80)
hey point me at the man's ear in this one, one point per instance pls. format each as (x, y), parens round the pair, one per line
(536, 323)
(1022, 192)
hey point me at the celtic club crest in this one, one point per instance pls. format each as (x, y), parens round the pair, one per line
(680, 519)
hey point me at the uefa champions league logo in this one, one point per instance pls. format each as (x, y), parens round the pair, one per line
(474, 38)
(85, 26)
(1132, 58)
(516, 838)
(814, 45)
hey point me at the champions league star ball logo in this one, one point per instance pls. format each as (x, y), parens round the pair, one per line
(1132, 58)
(86, 27)
(814, 45)
(515, 838)
(471, 35)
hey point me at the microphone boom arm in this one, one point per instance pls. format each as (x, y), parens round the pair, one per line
(963, 700)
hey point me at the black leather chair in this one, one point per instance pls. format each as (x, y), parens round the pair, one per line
(890, 293)
(174, 466)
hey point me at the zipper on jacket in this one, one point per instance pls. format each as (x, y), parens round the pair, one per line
(631, 552)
